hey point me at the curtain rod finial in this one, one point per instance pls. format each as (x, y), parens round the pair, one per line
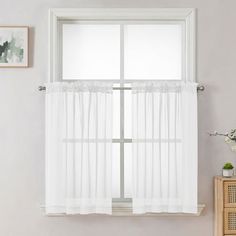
(201, 88)
(41, 88)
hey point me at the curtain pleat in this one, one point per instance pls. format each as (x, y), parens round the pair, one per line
(164, 141)
(78, 148)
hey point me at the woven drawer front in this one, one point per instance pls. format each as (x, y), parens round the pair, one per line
(230, 221)
(230, 194)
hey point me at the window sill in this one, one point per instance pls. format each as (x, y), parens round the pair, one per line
(125, 209)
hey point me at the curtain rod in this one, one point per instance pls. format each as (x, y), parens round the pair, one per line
(199, 88)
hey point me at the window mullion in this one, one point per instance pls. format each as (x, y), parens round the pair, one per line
(122, 111)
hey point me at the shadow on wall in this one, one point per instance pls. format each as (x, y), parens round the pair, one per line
(31, 46)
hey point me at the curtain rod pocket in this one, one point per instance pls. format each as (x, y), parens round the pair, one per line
(199, 88)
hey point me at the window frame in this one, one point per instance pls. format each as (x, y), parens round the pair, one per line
(169, 15)
(187, 15)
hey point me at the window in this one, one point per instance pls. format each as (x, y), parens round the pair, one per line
(123, 47)
(122, 50)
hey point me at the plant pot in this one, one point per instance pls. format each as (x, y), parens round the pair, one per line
(228, 173)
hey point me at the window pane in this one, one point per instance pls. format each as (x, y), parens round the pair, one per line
(153, 51)
(116, 170)
(116, 114)
(91, 51)
(128, 114)
(128, 170)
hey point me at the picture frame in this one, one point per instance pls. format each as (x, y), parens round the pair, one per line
(14, 44)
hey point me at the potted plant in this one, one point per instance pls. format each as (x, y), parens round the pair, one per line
(228, 170)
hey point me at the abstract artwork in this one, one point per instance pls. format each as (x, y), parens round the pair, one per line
(14, 46)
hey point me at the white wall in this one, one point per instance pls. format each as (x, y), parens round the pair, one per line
(22, 123)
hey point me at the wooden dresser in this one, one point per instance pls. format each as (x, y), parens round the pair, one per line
(225, 206)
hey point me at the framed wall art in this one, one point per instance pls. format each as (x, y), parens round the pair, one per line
(14, 46)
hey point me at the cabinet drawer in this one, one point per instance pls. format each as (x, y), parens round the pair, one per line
(230, 221)
(230, 194)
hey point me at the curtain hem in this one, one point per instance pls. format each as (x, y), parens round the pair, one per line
(82, 210)
(164, 209)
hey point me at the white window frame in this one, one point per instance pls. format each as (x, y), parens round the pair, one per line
(123, 206)
(187, 15)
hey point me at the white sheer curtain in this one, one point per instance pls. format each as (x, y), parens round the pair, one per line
(164, 147)
(78, 148)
